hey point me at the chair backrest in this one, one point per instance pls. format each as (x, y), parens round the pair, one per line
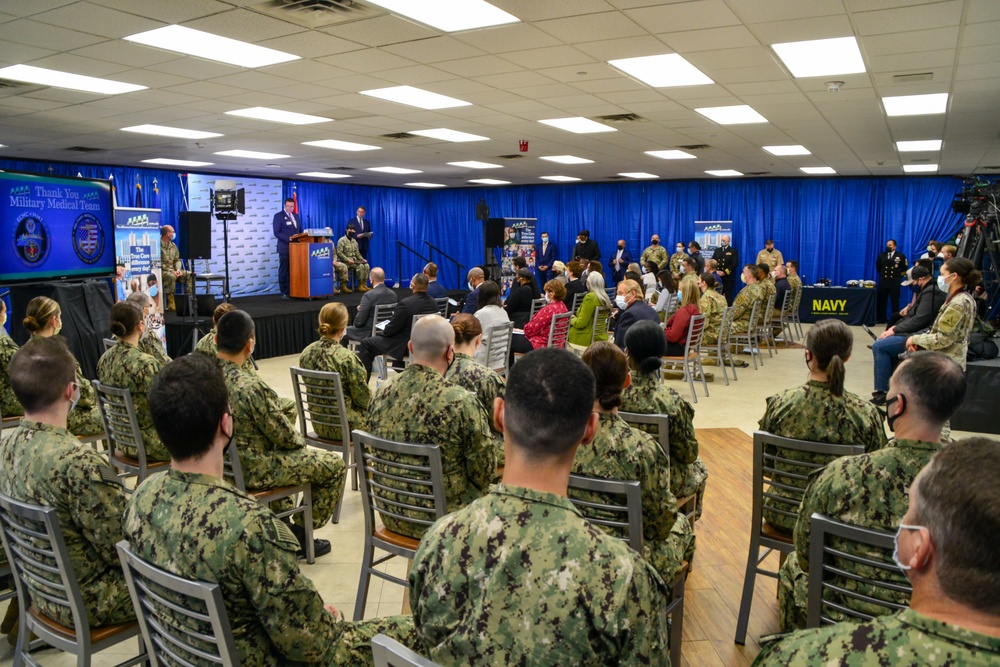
(673, 304)
(183, 621)
(851, 574)
(798, 299)
(559, 330)
(497, 344)
(725, 328)
(602, 317)
(232, 468)
(383, 312)
(536, 305)
(657, 425)
(696, 327)
(577, 300)
(418, 317)
(109, 343)
(612, 292)
(442, 304)
(121, 426)
(399, 480)
(600, 502)
(768, 314)
(754, 321)
(388, 652)
(319, 401)
(787, 301)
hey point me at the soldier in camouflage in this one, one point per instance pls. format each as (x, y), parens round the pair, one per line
(350, 254)
(519, 577)
(947, 544)
(793, 274)
(42, 463)
(466, 372)
(950, 332)
(744, 301)
(870, 490)
(170, 266)
(195, 525)
(711, 305)
(654, 252)
(9, 405)
(676, 260)
(419, 406)
(207, 345)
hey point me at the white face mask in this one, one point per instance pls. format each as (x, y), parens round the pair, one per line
(942, 283)
(895, 541)
(548, 298)
(743, 278)
(545, 239)
(620, 302)
(680, 249)
(76, 398)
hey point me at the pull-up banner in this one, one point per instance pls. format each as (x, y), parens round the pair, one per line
(708, 234)
(137, 245)
(518, 241)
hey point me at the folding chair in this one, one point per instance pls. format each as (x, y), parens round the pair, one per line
(795, 312)
(749, 339)
(722, 352)
(536, 305)
(121, 427)
(598, 327)
(389, 653)
(319, 401)
(765, 330)
(691, 361)
(577, 300)
(382, 313)
(442, 304)
(496, 343)
(559, 330)
(785, 320)
(109, 343)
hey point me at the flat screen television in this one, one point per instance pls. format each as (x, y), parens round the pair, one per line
(55, 228)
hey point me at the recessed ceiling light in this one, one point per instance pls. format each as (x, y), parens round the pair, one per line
(278, 116)
(913, 105)
(178, 163)
(787, 150)
(724, 172)
(919, 168)
(323, 174)
(732, 115)
(212, 47)
(427, 185)
(449, 15)
(821, 57)
(395, 170)
(817, 170)
(917, 146)
(341, 145)
(567, 159)
(473, 164)
(489, 181)
(637, 174)
(415, 97)
(255, 155)
(57, 79)
(445, 134)
(662, 71)
(671, 155)
(164, 131)
(578, 125)
(560, 178)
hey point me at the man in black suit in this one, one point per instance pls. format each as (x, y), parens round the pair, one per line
(434, 288)
(476, 278)
(285, 225)
(729, 265)
(890, 267)
(378, 295)
(586, 249)
(396, 334)
(364, 231)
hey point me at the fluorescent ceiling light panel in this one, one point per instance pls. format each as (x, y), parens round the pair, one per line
(489, 181)
(724, 172)
(427, 185)
(815, 171)
(567, 159)
(211, 47)
(560, 178)
(395, 170)
(787, 150)
(908, 105)
(341, 145)
(322, 174)
(663, 71)
(165, 131)
(919, 168)
(578, 124)
(278, 116)
(672, 155)
(415, 97)
(918, 146)
(821, 57)
(449, 15)
(473, 164)
(733, 115)
(178, 163)
(254, 155)
(637, 174)
(445, 134)
(57, 79)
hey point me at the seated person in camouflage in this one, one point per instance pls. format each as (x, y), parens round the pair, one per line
(341, 270)
(821, 410)
(124, 366)
(625, 453)
(42, 463)
(419, 406)
(466, 372)
(328, 355)
(150, 342)
(350, 254)
(646, 395)
(711, 304)
(870, 490)
(748, 296)
(43, 318)
(9, 405)
(272, 451)
(947, 545)
(194, 524)
(519, 577)
(792, 268)
(767, 286)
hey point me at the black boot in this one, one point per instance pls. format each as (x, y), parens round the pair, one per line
(321, 547)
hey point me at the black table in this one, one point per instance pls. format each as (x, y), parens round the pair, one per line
(853, 305)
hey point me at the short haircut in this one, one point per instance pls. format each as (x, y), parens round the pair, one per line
(549, 399)
(632, 275)
(187, 427)
(40, 371)
(466, 327)
(918, 272)
(39, 313)
(933, 383)
(585, 233)
(631, 286)
(755, 271)
(557, 288)
(431, 336)
(645, 344)
(332, 318)
(957, 499)
(519, 262)
(125, 317)
(892, 241)
(476, 272)
(574, 267)
(419, 282)
(794, 264)
(431, 270)
(351, 226)
(524, 274)
(927, 263)
(489, 295)
(688, 260)
(695, 245)
(151, 279)
(769, 242)
(233, 331)
(289, 200)
(765, 269)
(377, 275)
(950, 248)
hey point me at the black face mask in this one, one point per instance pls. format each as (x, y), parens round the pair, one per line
(655, 242)
(891, 418)
(351, 234)
(621, 246)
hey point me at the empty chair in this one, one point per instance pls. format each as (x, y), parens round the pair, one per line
(388, 652)
(122, 429)
(496, 343)
(442, 304)
(690, 363)
(320, 404)
(795, 312)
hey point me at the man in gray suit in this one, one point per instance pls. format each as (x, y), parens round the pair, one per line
(378, 295)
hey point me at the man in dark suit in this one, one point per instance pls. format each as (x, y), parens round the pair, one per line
(396, 334)
(586, 249)
(545, 257)
(476, 278)
(379, 295)
(619, 262)
(285, 225)
(631, 309)
(729, 266)
(434, 288)
(890, 267)
(574, 285)
(364, 231)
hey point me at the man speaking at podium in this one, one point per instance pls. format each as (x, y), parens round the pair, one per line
(285, 225)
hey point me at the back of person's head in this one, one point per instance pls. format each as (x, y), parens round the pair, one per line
(690, 292)
(652, 267)
(779, 271)
(221, 310)
(431, 337)
(39, 313)
(40, 371)
(524, 274)
(519, 262)
(966, 270)
(645, 344)
(765, 270)
(489, 295)
(667, 280)
(141, 299)
(926, 262)
(830, 343)
(377, 275)
(419, 283)
(957, 498)
(755, 271)
(549, 400)
(610, 368)
(634, 275)
(431, 270)
(476, 273)
(187, 427)
(125, 317)
(596, 266)
(634, 266)
(918, 272)
(574, 268)
(557, 289)
(709, 279)
(233, 331)
(466, 327)
(595, 283)
(949, 250)
(934, 385)
(332, 318)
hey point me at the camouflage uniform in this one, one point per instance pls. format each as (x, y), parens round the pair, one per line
(347, 249)
(9, 405)
(486, 384)
(45, 465)
(794, 281)
(126, 367)
(675, 261)
(340, 268)
(520, 578)
(207, 346)
(329, 355)
(950, 332)
(272, 452)
(767, 288)
(170, 261)
(655, 253)
(648, 396)
(904, 639)
(624, 453)
(419, 406)
(151, 344)
(85, 418)
(870, 491)
(811, 412)
(711, 306)
(200, 527)
(742, 305)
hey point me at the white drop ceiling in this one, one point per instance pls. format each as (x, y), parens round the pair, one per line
(551, 65)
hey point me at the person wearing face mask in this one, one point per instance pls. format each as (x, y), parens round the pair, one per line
(467, 371)
(743, 304)
(711, 305)
(654, 252)
(619, 262)
(870, 490)
(536, 331)
(43, 318)
(586, 249)
(150, 343)
(476, 276)
(350, 254)
(679, 256)
(545, 258)
(890, 268)
(631, 309)
(9, 405)
(170, 263)
(694, 249)
(728, 261)
(769, 255)
(950, 332)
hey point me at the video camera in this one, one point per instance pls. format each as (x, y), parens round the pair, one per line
(976, 196)
(227, 201)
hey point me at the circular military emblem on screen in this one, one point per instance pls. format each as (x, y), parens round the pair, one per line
(31, 240)
(88, 238)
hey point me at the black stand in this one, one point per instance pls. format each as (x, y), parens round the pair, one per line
(225, 218)
(191, 317)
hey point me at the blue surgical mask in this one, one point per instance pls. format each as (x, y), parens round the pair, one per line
(895, 541)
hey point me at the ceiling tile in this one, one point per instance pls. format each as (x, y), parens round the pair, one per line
(693, 15)
(96, 20)
(593, 27)
(911, 17)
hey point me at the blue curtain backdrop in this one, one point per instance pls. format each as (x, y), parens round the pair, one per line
(835, 227)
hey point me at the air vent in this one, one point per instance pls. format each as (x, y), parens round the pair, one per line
(512, 156)
(317, 13)
(693, 147)
(340, 168)
(912, 78)
(921, 159)
(756, 173)
(10, 87)
(85, 149)
(622, 118)
(992, 168)
(400, 135)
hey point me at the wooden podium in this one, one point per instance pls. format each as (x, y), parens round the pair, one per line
(310, 258)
